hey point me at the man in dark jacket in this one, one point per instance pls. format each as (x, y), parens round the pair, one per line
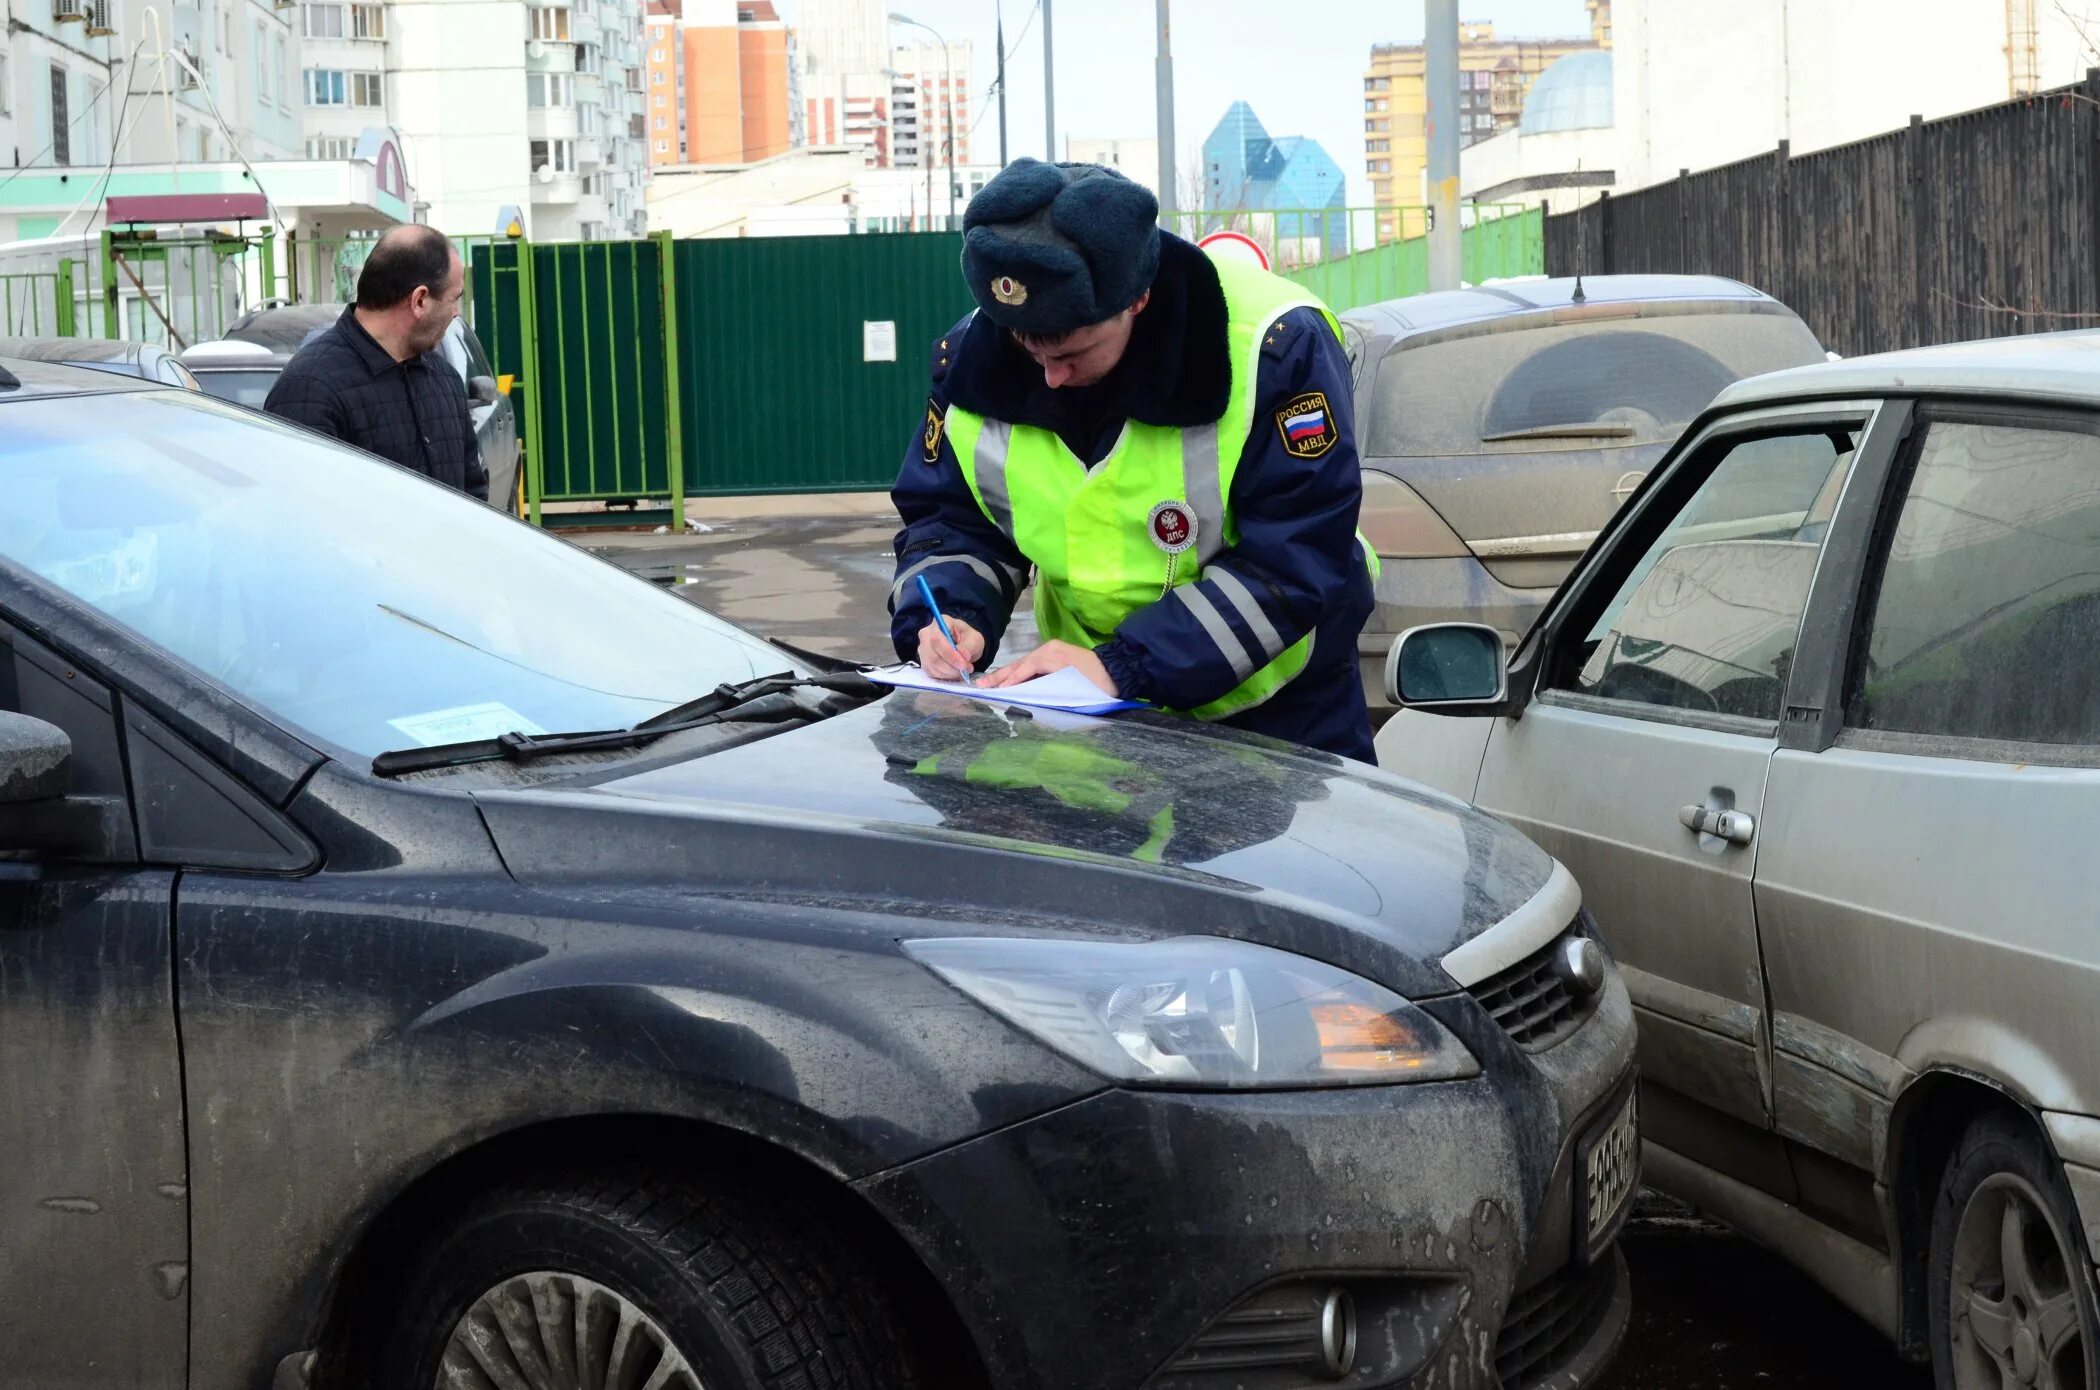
(375, 380)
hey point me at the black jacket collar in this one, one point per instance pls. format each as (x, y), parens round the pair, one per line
(1177, 372)
(376, 359)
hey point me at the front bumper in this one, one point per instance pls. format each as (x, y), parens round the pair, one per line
(1122, 1240)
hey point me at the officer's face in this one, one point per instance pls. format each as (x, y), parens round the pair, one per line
(1090, 353)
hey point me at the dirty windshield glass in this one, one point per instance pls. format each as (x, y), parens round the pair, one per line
(353, 599)
(1640, 381)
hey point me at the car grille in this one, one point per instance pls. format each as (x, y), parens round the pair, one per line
(1532, 1000)
(1547, 1325)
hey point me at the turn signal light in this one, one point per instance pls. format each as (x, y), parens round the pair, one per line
(1355, 1037)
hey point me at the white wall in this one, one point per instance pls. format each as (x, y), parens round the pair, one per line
(456, 92)
(1136, 159)
(1699, 83)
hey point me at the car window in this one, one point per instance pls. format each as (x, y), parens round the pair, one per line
(453, 348)
(1706, 619)
(1987, 621)
(477, 360)
(357, 601)
(1522, 390)
(249, 387)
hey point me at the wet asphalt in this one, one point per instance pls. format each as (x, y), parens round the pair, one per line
(1711, 1310)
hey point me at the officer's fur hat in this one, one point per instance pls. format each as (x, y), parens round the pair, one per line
(1048, 248)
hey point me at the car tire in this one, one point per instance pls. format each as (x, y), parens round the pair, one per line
(714, 1278)
(2010, 1282)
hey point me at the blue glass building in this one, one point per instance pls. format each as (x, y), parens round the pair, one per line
(1244, 169)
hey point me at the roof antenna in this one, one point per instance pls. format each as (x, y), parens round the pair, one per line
(1581, 250)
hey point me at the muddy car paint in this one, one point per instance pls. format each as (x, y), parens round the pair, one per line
(384, 990)
(1907, 950)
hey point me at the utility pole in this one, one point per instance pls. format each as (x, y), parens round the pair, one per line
(1440, 42)
(1001, 83)
(1049, 91)
(1166, 119)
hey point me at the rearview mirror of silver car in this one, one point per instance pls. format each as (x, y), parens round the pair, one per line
(1448, 667)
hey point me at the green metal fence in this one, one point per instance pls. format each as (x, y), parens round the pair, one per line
(1493, 247)
(39, 304)
(806, 357)
(583, 329)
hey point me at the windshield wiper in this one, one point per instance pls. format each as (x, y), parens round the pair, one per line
(713, 707)
(1593, 429)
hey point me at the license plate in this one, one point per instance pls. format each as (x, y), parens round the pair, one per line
(1608, 1174)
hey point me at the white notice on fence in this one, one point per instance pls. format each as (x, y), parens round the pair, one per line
(878, 340)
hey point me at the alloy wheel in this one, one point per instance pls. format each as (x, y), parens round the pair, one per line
(553, 1331)
(2014, 1313)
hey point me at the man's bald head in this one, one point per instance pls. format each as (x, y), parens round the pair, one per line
(403, 260)
(410, 289)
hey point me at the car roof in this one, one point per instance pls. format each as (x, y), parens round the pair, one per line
(222, 354)
(1490, 302)
(37, 378)
(2051, 366)
(74, 349)
(284, 327)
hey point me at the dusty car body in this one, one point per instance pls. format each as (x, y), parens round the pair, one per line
(429, 948)
(1500, 427)
(1810, 724)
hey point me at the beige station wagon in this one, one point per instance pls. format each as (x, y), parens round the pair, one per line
(1816, 725)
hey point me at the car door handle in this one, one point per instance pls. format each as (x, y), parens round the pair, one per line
(1736, 827)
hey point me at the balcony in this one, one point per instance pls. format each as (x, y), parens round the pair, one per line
(590, 89)
(584, 27)
(550, 122)
(590, 152)
(559, 191)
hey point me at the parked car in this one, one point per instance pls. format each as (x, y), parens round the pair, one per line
(1816, 725)
(353, 1009)
(145, 361)
(243, 366)
(1499, 427)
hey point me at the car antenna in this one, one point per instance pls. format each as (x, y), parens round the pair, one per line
(1578, 299)
(9, 381)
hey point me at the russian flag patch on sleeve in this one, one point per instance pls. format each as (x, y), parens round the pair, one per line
(1307, 425)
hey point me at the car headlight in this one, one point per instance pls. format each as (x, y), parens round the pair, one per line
(1200, 1012)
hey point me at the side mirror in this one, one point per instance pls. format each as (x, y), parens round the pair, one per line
(482, 390)
(36, 767)
(1453, 668)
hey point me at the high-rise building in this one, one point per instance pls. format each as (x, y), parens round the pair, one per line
(1495, 74)
(719, 82)
(461, 80)
(930, 93)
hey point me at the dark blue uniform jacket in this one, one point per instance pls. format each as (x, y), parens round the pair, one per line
(1297, 567)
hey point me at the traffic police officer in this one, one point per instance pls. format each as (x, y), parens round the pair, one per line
(1167, 440)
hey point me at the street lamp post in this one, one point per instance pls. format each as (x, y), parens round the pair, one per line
(947, 116)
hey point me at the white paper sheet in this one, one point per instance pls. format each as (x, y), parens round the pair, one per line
(1066, 690)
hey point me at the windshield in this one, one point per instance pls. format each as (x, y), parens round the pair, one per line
(1639, 380)
(249, 387)
(356, 601)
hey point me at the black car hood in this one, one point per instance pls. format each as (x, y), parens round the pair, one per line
(964, 817)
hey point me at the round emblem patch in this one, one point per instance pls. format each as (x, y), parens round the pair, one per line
(1008, 290)
(1173, 526)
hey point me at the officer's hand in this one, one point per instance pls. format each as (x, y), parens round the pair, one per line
(1053, 656)
(946, 663)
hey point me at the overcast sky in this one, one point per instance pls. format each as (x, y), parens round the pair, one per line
(1303, 74)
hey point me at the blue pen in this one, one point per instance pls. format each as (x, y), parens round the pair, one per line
(926, 592)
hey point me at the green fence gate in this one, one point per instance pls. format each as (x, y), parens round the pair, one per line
(584, 330)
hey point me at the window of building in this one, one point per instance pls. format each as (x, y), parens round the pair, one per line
(6, 103)
(323, 21)
(327, 87)
(264, 87)
(549, 89)
(329, 147)
(656, 79)
(558, 155)
(283, 67)
(61, 119)
(1381, 166)
(1483, 79)
(663, 147)
(368, 21)
(1379, 127)
(662, 123)
(367, 89)
(1377, 146)
(550, 22)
